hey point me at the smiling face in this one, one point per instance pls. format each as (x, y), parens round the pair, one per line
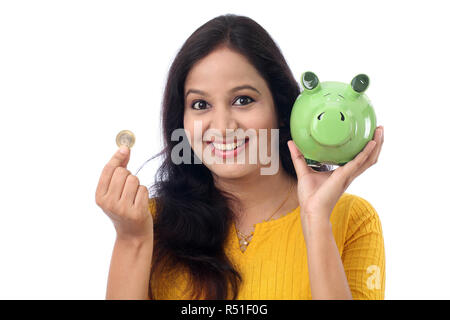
(225, 93)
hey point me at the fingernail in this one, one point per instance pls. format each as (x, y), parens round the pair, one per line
(123, 150)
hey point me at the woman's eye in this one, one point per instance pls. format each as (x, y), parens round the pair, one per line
(202, 104)
(199, 105)
(243, 100)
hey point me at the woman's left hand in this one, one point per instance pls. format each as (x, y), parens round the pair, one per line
(318, 192)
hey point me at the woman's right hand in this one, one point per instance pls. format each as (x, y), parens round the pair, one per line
(123, 200)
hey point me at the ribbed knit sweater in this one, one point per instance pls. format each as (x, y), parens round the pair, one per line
(275, 266)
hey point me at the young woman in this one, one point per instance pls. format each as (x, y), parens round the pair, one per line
(225, 230)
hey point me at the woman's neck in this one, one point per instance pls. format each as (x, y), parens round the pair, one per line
(260, 195)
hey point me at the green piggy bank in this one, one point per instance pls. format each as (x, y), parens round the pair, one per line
(331, 122)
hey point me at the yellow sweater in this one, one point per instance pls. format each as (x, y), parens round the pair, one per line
(275, 266)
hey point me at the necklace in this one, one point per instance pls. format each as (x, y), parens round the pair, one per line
(244, 241)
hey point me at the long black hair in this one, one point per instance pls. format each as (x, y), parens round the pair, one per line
(193, 216)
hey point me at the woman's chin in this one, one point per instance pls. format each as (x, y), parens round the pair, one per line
(232, 171)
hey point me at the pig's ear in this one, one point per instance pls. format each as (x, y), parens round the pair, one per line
(360, 83)
(309, 80)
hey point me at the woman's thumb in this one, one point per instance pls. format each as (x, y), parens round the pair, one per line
(124, 153)
(300, 165)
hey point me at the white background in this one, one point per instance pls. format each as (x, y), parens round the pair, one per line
(75, 73)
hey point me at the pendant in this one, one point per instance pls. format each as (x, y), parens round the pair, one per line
(243, 242)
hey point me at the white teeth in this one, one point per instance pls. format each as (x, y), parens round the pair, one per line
(228, 146)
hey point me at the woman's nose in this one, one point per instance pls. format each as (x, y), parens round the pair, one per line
(223, 118)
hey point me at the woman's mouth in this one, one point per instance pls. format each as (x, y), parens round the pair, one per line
(228, 150)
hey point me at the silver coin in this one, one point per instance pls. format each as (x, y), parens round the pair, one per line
(125, 138)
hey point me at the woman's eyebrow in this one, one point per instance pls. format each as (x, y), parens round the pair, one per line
(196, 91)
(245, 86)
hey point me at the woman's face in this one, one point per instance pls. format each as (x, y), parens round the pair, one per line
(223, 93)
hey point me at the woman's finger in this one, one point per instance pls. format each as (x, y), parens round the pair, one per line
(119, 159)
(379, 145)
(373, 157)
(130, 189)
(350, 169)
(300, 165)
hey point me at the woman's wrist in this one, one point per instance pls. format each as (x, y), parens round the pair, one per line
(135, 241)
(315, 226)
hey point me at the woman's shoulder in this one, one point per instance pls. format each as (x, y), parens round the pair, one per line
(353, 204)
(362, 214)
(353, 212)
(359, 206)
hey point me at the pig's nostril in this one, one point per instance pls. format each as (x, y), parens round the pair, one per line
(320, 115)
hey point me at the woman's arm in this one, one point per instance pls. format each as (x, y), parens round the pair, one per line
(326, 272)
(126, 203)
(318, 193)
(129, 272)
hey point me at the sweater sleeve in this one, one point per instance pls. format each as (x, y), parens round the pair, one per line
(363, 255)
